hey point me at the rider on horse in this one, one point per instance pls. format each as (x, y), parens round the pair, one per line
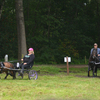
(96, 47)
(96, 51)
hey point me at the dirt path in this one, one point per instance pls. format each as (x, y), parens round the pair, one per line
(64, 66)
(72, 66)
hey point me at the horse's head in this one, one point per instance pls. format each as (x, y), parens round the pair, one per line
(94, 53)
(94, 56)
(1, 65)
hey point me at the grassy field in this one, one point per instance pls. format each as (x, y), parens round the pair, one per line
(52, 84)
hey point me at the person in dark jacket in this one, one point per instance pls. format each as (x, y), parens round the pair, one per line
(28, 60)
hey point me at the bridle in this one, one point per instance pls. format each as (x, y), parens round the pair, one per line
(94, 53)
(2, 65)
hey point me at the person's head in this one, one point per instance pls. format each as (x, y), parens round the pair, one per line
(31, 51)
(95, 45)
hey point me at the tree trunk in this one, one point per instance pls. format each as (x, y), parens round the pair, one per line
(98, 20)
(20, 29)
(49, 2)
(1, 8)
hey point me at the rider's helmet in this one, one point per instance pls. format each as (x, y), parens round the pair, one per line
(30, 49)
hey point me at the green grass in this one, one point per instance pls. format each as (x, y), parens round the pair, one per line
(52, 85)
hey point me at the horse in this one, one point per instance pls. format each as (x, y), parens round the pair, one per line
(94, 56)
(5, 67)
(92, 60)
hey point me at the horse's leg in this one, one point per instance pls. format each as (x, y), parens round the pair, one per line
(12, 73)
(6, 75)
(14, 76)
(96, 70)
(88, 70)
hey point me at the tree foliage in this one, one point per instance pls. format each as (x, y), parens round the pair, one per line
(54, 28)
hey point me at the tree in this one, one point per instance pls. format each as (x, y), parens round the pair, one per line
(20, 28)
(1, 7)
(54, 28)
(98, 19)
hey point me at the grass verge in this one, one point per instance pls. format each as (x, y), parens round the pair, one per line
(52, 84)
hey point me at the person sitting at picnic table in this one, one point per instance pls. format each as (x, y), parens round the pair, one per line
(28, 60)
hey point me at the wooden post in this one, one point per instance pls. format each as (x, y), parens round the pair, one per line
(85, 59)
(67, 66)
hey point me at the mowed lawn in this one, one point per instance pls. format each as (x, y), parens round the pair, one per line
(52, 84)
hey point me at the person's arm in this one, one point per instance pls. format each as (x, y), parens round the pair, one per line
(98, 51)
(23, 58)
(31, 59)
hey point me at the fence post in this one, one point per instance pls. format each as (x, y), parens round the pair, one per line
(85, 59)
(67, 66)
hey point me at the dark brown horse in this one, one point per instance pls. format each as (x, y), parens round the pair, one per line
(94, 56)
(5, 67)
(92, 60)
